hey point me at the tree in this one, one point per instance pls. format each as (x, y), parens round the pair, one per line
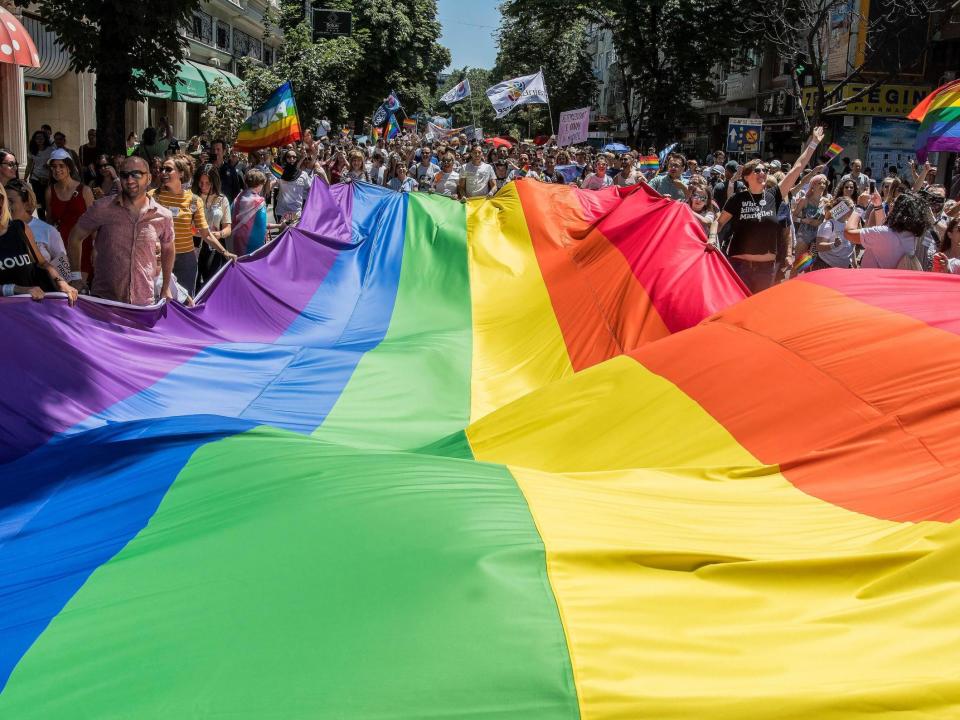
(127, 47)
(475, 110)
(318, 72)
(812, 37)
(228, 108)
(665, 52)
(566, 64)
(397, 49)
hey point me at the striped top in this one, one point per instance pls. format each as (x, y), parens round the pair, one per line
(187, 211)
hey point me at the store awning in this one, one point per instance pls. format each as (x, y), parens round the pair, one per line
(192, 83)
(16, 45)
(54, 60)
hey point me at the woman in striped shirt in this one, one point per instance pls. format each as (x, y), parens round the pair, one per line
(188, 213)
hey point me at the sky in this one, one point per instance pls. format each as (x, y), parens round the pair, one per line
(468, 28)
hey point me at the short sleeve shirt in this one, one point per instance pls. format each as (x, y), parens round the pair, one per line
(665, 185)
(755, 222)
(477, 178)
(125, 262)
(883, 247)
(187, 213)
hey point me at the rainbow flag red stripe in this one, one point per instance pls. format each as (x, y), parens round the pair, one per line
(939, 117)
(275, 123)
(834, 150)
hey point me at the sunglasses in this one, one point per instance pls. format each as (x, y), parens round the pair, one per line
(761, 171)
(167, 171)
(135, 174)
(699, 197)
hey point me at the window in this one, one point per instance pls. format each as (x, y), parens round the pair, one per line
(201, 27)
(245, 45)
(268, 55)
(223, 35)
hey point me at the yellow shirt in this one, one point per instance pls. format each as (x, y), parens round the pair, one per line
(187, 211)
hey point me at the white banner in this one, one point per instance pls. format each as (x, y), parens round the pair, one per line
(457, 93)
(435, 132)
(519, 91)
(574, 127)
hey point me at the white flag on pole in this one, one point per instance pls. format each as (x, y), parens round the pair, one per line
(507, 95)
(457, 93)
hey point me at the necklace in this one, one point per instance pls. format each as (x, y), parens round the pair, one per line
(762, 201)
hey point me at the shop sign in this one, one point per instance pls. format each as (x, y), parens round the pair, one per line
(894, 100)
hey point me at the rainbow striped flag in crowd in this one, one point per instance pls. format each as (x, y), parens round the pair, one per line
(833, 151)
(277, 169)
(939, 118)
(649, 163)
(409, 124)
(275, 123)
(393, 129)
(420, 458)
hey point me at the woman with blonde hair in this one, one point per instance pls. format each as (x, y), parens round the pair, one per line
(355, 169)
(21, 263)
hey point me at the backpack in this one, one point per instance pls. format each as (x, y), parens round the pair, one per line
(911, 260)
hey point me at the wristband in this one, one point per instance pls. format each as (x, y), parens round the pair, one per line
(8, 289)
(812, 145)
(75, 276)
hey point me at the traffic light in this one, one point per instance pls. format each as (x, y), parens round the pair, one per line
(801, 67)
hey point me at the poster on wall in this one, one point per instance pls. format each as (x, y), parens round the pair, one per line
(892, 143)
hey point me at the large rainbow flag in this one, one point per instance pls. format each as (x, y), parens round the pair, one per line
(939, 118)
(528, 457)
(274, 124)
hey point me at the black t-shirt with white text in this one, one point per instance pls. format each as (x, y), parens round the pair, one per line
(756, 227)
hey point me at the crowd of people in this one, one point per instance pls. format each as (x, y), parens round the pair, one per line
(159, 220)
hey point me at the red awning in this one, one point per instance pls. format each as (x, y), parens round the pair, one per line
(16, 45)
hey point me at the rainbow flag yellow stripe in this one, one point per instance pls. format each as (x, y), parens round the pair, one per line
(275, 123)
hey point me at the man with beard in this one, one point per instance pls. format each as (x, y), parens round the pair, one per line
(129, 226)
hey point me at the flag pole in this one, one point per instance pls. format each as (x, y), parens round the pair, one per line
(473, 107)
(553, 130)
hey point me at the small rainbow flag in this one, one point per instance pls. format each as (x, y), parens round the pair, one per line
(649, 163)
(375, 134)
(409, 123)
(803, 262)
(392, 128)
(277, 169)
(833, 151)
(345, 131)
(938, 113)
(274, 123)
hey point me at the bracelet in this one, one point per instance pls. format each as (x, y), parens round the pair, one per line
(8, 289)
(812, 145)
(75, 276)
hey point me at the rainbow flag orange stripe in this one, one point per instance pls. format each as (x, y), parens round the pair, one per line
(533, 456)
(274, 123)
(939, 117)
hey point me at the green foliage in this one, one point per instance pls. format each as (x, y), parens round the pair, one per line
(398, 50)
(477, 106)
(529, 40)
(393, 47)
(665, 51)
(317, 71)
(115, 38)
(229, 107)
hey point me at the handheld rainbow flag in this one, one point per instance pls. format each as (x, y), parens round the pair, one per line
(375, 134)
(275, 123)
(833, 151)
(345, 131)
(409, 124)
(939, 118)
(803, 262)
(649, 163)
(393, 129)
(277, 169)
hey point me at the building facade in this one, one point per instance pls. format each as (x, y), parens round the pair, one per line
(220, 33)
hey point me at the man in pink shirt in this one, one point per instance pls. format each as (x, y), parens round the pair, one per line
(129, 226)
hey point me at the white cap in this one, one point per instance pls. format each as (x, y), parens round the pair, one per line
(59, 154)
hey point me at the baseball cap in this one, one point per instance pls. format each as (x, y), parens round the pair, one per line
(774, 164)
(59, 154)
(732, 165)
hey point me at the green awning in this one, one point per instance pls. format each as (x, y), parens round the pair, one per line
(193, 80)
(212, 75)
